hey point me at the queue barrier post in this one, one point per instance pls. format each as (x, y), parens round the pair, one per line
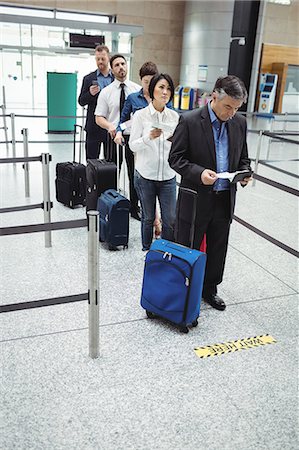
(285, 122)
(4, 118)
(13, 134)
(270, 138)
(93, 282)
(258, 153)
(26, 164)
(46, 196)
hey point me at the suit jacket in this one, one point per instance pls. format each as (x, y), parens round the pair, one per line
(193, 150)
(85, 98)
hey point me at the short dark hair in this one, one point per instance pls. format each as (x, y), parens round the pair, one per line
(232, 86)
(148, 68)
(117, 55)
(102, 48)
(154, 81)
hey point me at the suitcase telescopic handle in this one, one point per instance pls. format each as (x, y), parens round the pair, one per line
(112, 194)
(120, 150)
(194, 207)
(80, 141)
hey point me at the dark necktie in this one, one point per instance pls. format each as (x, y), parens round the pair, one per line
(122, 97)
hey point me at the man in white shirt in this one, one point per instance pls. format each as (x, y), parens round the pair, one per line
(108, 110)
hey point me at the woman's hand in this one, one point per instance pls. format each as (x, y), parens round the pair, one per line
(155, 133)
(118, 138)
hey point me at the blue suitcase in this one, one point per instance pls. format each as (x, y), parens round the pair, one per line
(172, 283)
(114, 211)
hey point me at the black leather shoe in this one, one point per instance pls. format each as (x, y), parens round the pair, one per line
(215, 301)
(136, 215)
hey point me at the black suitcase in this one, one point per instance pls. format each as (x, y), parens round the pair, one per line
(100, 176)
(70, 179)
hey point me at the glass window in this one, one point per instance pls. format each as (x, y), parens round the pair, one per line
(25, 35)
(10, 34)
(292, 81)
(124, 43)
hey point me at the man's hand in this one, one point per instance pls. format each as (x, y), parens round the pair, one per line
(112, 130)
(155, 133)
(119, 138)
(208, 176)
(246, 181)
(94, 89)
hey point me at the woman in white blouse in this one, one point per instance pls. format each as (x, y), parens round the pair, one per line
(149, 140)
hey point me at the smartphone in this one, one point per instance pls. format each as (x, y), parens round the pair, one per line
(94, 82)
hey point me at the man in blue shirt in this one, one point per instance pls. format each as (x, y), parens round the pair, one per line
(208, 141)
(92, 84)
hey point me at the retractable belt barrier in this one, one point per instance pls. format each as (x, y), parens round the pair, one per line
(46, 205)
(92, 224)
(270, 135)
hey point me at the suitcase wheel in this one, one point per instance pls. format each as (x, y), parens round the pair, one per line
(150, 315)
(125, 247)
(184, 330)
(195, 323)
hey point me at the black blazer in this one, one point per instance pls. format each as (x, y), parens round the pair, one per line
(85, 98)
(193, 150)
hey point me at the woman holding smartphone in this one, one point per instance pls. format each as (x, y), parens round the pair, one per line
(149, 140)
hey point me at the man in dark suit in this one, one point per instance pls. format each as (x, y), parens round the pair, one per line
(206, 142)
(92, 84)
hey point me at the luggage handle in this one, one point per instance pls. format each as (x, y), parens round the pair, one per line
(80, 141)
(194, 207)
(112, 194)
(110, 145)
(118, 168)
(176, 247)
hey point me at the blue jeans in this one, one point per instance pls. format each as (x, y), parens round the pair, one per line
(148, 191)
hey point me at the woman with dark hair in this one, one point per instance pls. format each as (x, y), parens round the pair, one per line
(149, 140)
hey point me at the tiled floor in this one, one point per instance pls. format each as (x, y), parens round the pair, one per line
(148, 390)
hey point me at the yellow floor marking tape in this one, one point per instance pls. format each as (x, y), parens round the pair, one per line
(233, 346)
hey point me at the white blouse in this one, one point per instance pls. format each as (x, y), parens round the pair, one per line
(151, 159)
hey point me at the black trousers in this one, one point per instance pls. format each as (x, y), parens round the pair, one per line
(129, 157)
(93, 145)
(216, 225)
(212, 219)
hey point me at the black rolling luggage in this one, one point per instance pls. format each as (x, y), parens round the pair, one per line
(101, 174)
(70, 179)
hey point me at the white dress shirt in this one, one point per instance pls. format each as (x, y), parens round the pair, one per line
(109, 98)
(151, 159)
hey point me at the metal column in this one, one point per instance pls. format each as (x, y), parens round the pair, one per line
(46, 196)
(93, 282)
